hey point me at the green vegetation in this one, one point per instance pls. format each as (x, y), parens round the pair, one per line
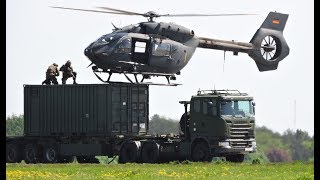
(272, 146)
(14, 125)
(162, 171)
(162, 125)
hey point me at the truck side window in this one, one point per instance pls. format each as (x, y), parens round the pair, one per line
(212, 108)
(205, 107)
(196, 106)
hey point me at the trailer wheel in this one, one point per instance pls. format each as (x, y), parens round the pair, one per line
(201, 153)
(128, 153)
(31, 154)
(150, 152)
(13, 153)
(66, 159)
(50, 154)
(87, 159)
(93, 160)
(237, 158)
(82, 159)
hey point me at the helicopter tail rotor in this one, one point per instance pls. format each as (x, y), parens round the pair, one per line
(269, 45)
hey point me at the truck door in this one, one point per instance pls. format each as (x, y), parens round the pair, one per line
(213, 126)
(140, 50)
(204, 119)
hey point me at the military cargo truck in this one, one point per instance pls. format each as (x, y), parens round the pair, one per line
(64, 122)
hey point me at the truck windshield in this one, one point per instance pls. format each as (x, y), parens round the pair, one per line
(236, 108)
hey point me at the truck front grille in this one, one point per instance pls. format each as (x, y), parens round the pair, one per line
(239, 134)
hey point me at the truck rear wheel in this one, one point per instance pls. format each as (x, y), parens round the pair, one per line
(50, 154)
(128, 153)
(201, 153)
(150, 152)
(13, 153)
(31, 154)
(237, 158)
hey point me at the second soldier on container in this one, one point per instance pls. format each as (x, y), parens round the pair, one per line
(68, 72)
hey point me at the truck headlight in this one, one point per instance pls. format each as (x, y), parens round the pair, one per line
(224, 144)
(254, 144)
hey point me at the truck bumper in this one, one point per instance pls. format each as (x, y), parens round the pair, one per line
(225, 147)
(216, 150)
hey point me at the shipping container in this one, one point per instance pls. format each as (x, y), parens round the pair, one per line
(86, 109)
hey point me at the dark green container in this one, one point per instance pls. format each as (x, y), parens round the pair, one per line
(86, 109)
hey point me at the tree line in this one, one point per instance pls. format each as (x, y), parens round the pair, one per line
(271, 146)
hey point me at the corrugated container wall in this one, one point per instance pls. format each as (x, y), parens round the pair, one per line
(85, 109)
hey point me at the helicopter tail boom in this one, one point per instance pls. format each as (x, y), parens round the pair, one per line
(267, 47)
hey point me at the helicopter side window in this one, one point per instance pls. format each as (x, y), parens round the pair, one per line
(161, 49)
(140, 47)
(124, 46)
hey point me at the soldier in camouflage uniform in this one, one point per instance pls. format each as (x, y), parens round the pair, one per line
(51, 74)
(68, 72)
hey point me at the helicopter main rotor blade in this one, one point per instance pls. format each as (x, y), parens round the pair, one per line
(188, 15)
(88, 10)
(122, 11)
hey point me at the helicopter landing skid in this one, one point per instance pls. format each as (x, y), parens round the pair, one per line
(145, 75)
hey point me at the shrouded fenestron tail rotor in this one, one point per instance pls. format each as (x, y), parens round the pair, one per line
(269, 48)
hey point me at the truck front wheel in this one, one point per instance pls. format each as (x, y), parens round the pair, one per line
(201, 153)
(237, 158)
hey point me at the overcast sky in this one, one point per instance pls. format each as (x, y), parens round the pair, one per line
(37, 36)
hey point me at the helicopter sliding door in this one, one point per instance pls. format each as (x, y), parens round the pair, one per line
(140, 50)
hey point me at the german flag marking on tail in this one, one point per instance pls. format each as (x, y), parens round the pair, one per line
(275, 21)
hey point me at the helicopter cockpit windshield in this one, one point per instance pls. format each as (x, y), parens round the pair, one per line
(105, 44)
(124, 45)
(109, 38)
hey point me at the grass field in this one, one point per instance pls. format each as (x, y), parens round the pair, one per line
(297, 170)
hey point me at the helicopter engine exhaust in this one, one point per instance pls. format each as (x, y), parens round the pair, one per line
(268, 42)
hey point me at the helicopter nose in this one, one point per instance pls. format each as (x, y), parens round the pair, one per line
(89, 53)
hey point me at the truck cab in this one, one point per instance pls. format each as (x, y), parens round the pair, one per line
(219, 123)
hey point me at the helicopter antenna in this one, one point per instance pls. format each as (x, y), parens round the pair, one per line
(115, 28)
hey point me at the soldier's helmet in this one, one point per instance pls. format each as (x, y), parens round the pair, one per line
(55, 64)
(68, 63)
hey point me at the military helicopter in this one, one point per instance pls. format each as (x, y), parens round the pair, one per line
(164, 49)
